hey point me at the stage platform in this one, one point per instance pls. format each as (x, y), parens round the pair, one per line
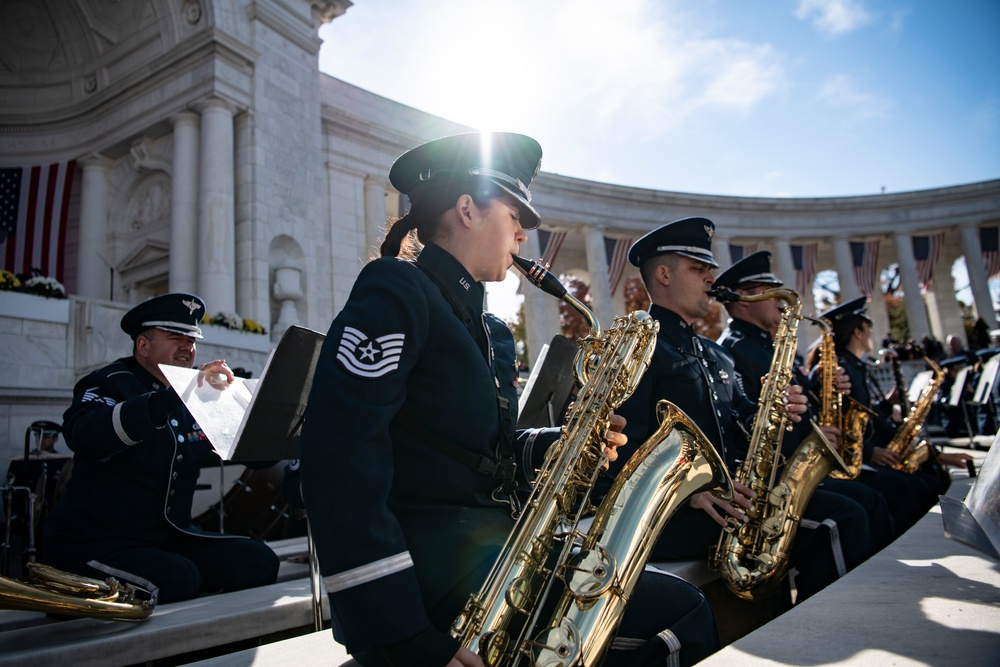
(923, 600)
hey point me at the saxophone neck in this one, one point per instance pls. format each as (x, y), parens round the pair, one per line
(539, 276)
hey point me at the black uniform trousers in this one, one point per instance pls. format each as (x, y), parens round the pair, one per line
(876, 506)
(178, 569)
(833, 538)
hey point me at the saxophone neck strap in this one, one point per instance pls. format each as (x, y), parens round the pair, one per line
(502, 470)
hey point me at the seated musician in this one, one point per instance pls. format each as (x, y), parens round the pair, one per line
(137, 455)
(409, 446)
(699, 377)
(909, 495)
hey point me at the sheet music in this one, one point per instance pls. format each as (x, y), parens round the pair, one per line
(220, 410)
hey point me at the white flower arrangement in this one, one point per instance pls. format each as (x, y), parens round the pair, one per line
(45, 286)
(233, 321)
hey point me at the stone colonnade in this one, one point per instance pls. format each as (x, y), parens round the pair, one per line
(933, 311)
(202, 226)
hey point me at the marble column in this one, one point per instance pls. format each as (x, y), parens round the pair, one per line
(781, 262)
(250, 269)
(597, 265)
(720, 250)
(541, 311)
(978, 280)
(844, 264)
(184, 204)
(93, 274)
(216, 215)
(375, 213)
(916, 312)
(942, 307)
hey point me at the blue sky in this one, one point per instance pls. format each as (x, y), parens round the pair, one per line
(775, 98)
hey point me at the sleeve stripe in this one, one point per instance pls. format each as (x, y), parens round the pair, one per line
(364, 574)
(116, 420)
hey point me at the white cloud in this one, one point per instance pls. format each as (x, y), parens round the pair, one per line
(841, 91)
(833, 17)
(496, 65)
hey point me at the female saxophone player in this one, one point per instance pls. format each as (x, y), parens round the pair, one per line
(410, 454)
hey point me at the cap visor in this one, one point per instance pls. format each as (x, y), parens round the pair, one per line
(527, 210)
(708, 259)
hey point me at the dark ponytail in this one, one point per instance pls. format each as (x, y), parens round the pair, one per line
(423, 223)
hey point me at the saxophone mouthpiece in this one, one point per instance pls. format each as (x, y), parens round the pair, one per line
(723, 294)
(539, 276)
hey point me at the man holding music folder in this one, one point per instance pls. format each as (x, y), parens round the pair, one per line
(137, 454)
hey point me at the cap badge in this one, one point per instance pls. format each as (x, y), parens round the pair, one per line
(709, 231)
(191, 306)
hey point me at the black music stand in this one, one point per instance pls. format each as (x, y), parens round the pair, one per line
(549, 386)
(983, 395)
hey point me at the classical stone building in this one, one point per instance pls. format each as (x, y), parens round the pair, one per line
(204, 152)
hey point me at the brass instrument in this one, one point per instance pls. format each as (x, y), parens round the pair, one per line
(912, 449)
(852, 419)
(53, 591)
(754, 557)
(503, 622)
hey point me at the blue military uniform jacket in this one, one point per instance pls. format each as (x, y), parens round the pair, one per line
(133, 481)
(699, 377)
(404, 530)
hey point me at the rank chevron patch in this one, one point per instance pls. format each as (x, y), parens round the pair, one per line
(369, 357)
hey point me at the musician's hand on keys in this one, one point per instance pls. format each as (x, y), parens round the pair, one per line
(216, 373)
(465, 658)
(885, 457)
(707, 501)
(614, 438)
(841, 381)
(796, 404)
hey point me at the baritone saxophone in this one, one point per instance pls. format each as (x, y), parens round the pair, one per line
(550, 561)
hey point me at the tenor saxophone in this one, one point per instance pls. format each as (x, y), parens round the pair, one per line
(754, 557)
(913, 450)
(836, 410)
(549, 562)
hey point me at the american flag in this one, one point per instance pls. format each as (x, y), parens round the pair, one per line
(550, 242)
(865, 259)
(738, 252)
(616, 252)
(804, 259)
(926, 250)
(989, 240)
(33, 209)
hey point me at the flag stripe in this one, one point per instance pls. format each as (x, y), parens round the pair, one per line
(617, 260)
(552, 245)
(35, 216)
(804, 260)
(865, 260)
(926, 251)
(738, 252)
(989, 240)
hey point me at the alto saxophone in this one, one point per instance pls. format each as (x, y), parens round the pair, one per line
(754, 557)
(852, 419)
(508, 621)
(912, 449)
